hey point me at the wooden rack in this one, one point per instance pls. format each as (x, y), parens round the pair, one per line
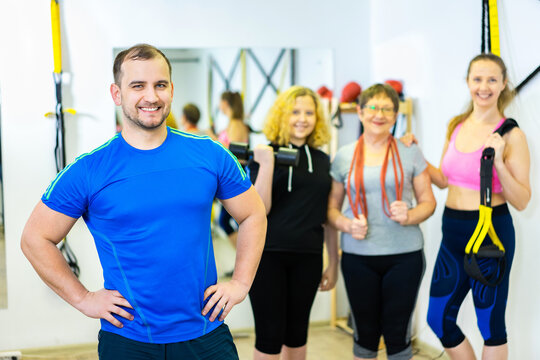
(405, 108)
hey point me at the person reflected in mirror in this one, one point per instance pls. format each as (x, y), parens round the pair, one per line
(190, 119)
(161, 298)
(232, 106)
(295, 199)
(388, 194)
(467, 136)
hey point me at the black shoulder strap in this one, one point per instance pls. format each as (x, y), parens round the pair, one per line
(506, 126)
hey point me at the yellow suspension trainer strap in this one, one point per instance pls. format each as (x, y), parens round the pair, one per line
(494, 28)
(476, 249)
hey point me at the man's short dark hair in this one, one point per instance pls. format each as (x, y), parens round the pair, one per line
(136, 52)
(192, 114)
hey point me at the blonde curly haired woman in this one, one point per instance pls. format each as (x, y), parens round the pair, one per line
(296, 200)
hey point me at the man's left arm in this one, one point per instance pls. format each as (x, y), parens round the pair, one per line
(249, 212)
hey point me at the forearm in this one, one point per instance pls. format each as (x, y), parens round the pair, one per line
(251, 238)
(517, 194)
(263, 185)
(53, 269)
(339, 221)
(437, 176)
(331, 239)
(420, 212)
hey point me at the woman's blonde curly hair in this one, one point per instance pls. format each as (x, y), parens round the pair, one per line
(277, 127)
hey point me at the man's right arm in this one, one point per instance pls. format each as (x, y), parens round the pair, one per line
(249, 212)
(43, 231)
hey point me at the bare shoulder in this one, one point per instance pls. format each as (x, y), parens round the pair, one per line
(516, 137)
(238, 131)
(516, 149)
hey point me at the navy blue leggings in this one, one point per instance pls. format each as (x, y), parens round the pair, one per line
(216, 345)
(450, 283)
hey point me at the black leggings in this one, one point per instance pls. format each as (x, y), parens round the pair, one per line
(382, 293)
(281, 298)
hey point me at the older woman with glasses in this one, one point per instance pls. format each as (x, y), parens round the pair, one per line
(388, 192)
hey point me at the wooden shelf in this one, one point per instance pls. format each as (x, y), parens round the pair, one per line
(405, 108)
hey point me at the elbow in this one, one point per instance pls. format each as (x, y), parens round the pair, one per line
(25, 244)
(431, 208)
(442, 186)
(522, 205)
(441, 183)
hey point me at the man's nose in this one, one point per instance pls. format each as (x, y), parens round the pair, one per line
(150, 95)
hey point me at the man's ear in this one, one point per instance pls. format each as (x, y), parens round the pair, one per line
(115, 93)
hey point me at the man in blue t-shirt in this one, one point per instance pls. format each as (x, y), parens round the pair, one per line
(146, 196)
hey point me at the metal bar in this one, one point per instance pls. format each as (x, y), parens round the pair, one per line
(527, 79)
(274, 68)
(186, 60)
(220, 73)
(268, 77)
(293, 67)
(235, 64)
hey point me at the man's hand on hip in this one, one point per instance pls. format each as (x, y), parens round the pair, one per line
(103, 303)
(224, 296)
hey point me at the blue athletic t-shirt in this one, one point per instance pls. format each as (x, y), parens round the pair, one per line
(149, 214)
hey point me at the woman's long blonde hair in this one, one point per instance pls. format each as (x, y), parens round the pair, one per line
(503, 101)
(276, 127)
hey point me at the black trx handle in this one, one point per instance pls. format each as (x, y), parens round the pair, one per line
(284, 156)
(486, 176)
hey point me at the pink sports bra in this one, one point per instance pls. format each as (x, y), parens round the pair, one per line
(223, 138)
(463, 169)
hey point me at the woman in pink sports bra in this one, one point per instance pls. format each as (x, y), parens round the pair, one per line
(468, 134)
(237, 131)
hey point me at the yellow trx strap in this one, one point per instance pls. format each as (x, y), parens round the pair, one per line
(484, 227)
(57, 48)
(57, 45)
(494, 28)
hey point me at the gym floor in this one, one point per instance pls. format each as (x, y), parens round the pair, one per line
(324, 343)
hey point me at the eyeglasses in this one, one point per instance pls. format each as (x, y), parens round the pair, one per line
(372, 109)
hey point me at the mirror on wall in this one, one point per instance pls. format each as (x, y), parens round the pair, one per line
(3, 281)
(201, 75)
